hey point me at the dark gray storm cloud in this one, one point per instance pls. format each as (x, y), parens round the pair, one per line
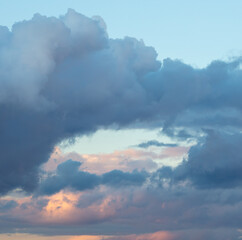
(215, 162)
(68, 176)
(64, 77)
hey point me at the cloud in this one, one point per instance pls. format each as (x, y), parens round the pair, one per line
(160, 235)
(183, 211)
(6, 205)
(118, 178)
(57, 81)
(68, 176)
(126, 160)
(156, 144)
(61, 78)
(215, 162)
(64, 77)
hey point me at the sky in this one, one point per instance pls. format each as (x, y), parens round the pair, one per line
(120, 120)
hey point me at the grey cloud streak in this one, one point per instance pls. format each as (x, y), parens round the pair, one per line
(64, 77)
(156, 144)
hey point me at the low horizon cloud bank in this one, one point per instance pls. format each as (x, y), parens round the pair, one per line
(61, 78)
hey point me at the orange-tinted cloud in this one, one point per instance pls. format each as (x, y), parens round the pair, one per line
(22, 236)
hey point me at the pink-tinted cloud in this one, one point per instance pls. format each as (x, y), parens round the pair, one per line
(162, 235)
(125, 160)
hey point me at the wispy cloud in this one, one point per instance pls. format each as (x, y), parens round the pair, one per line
(156, 144)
